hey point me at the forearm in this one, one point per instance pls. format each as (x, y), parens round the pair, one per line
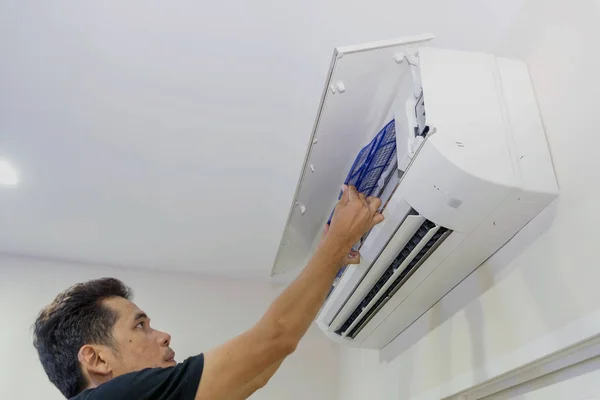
(295, 309)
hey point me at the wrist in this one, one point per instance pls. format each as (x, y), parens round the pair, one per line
(336, 248)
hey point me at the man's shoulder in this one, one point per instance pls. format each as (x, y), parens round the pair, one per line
(181, 381)
(116, 388)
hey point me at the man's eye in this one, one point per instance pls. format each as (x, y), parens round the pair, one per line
(140, 325)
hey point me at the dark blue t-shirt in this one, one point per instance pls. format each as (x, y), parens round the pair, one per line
(175, 383)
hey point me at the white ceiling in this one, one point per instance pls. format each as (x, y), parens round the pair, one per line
(170, 134)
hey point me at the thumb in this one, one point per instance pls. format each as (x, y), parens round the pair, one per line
(352, 258)
(345, 195)
(377, 219)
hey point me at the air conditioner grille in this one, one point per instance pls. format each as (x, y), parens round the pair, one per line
(434, 241)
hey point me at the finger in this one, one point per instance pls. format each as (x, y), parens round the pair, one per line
(374, 203)
(353, 257)
(345, 195)
(325, 230)
(352, 193)
(352, 261)
(363, 198)
(377, 219)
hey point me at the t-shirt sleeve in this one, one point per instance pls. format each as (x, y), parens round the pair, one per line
(175, 383)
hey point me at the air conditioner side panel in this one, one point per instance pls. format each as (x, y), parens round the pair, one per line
(530, 146)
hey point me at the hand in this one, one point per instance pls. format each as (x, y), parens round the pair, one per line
(353, 217)
(353, 256)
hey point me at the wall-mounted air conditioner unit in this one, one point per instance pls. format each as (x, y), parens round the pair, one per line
(452, 142)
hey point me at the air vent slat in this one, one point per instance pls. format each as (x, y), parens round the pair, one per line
(409, 258)
(406, 273)
(410, 251)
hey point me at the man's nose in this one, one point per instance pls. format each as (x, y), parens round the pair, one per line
(164, 338)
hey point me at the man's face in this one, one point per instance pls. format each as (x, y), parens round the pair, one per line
(138, 345)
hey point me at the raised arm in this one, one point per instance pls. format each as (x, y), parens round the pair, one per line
(244, 364)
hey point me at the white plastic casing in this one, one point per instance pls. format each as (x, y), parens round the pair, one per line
(483, 171)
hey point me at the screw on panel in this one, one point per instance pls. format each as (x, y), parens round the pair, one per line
(332, 89)
(340, 87)
(312, 168)
(413, 52)
(301, 206)
(315, 141)
(399, 58)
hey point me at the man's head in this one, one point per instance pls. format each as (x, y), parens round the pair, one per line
(92, 333)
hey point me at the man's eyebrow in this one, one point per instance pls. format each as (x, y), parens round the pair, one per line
(140, 315)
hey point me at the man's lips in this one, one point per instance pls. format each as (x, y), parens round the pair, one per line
(170, 355)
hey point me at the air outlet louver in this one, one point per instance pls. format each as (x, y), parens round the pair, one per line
(414, 253)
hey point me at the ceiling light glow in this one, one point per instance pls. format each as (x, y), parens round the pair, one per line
(8, 175)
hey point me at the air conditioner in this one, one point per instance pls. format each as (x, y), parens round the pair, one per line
(452, 142)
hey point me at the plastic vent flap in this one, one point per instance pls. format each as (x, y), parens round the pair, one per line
(392, 279)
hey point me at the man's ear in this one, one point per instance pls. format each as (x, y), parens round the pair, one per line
(93, 360)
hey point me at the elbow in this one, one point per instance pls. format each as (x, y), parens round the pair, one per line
(284, 344)
(262, 382)
(287, 347)
(282, 340)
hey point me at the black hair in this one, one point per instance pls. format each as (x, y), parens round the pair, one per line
(75, 318)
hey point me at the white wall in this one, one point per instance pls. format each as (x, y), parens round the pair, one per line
(198, 312)
(524, 295)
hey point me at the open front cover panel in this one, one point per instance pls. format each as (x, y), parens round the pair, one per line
(358, 101)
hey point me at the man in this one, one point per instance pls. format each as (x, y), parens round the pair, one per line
(95, 344)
